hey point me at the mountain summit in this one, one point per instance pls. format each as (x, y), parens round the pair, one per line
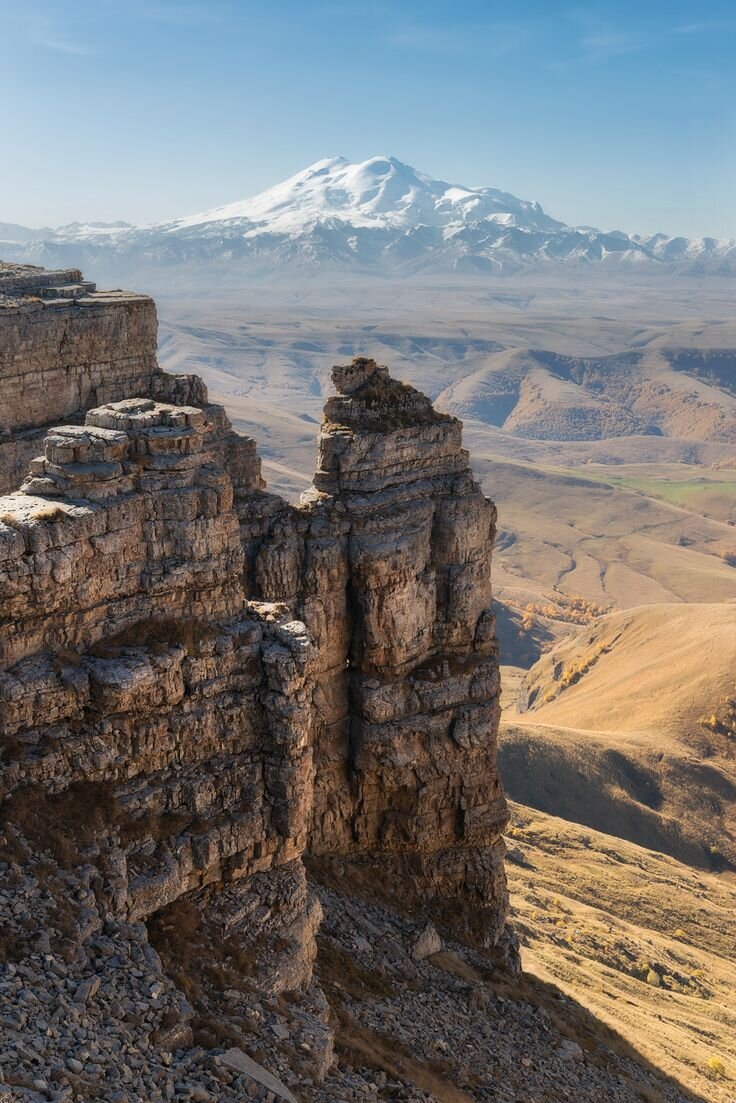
(379, 216)
(381, 193)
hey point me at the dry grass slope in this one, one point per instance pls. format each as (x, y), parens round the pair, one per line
(644, 942)
(629, 729)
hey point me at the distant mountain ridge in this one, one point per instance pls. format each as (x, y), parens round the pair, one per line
(688, 394)
(377, 216)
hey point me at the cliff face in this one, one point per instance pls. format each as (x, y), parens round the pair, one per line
(201, 685)
(417, 681)
(67, 347)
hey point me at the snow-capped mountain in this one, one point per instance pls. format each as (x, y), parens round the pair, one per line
(377, 216)
(382, 193)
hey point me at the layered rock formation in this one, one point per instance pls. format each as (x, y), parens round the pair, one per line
(413, 701)
(201, 685)
(66, 347)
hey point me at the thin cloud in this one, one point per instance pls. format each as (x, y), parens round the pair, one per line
(599, 41)
(603, 44)
(488, 39)
(51, 33)
(368, 8)
(713, 25)
(60, 31)
(191, 15)
(61, 43)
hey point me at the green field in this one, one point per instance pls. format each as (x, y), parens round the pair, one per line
(712, 495)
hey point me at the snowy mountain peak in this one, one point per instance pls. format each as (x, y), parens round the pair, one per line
(378, 216)
(381, 192)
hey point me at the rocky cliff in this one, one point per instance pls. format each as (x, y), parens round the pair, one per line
(250, 833)
(67, 347)
(203, 687)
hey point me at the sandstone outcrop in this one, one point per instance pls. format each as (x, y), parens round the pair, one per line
(201, 685)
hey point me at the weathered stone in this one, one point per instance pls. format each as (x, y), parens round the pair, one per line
(411, 700)
(87, 989)
(63, 354)
(389, 689)
(241, 1062)
(201, 685)
(426, 943)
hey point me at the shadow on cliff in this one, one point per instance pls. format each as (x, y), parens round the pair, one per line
(571, 1047)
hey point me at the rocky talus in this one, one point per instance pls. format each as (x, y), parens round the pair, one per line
(222, 716)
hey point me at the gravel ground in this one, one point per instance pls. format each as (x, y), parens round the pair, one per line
(457, 1026)
(87, 1012)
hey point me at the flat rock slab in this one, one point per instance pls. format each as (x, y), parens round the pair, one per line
(241, 1062)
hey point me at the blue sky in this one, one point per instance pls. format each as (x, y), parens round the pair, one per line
(619, 115)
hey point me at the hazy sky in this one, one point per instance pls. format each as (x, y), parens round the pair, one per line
(619, 115)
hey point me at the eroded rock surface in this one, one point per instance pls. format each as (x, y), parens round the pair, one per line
(66, 347)
(414, 714)
(201, 684)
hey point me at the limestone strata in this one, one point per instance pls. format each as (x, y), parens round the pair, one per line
(146, 667)
(422, 795)
(127, 569)
(66, 347)
(64, 352)
(388, 563)
(201, 684)
(120, 521)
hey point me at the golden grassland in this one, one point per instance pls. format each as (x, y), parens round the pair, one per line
(629, 728)
(645, 942)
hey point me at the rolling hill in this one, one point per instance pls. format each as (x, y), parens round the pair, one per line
(565, 532)
(645, 942)
(629, 727)
(685, 393)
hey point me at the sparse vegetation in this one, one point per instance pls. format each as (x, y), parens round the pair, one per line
(50, 512)
(612, 946)
(10, 747)
(723, 720)
(337, 968)
(63, 824)
(156, 825)
(162, 632)
(715, 1069)
(651, 1095)
(359, 1046)
(568, 608)
(79, 818)
(203, 962)
(571, 673)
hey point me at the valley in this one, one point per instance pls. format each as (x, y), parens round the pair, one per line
(617, 521)
(615, 871)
